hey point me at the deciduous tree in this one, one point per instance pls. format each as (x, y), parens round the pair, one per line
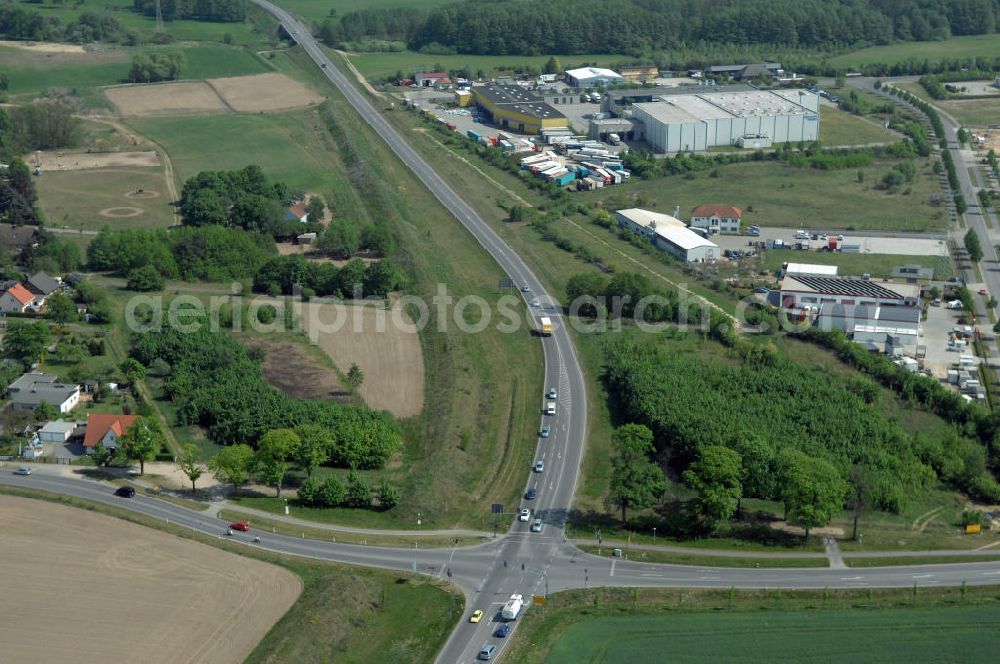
(636, 482)
(811, 488)
(231, 465)
(141, 442)
(189, 464)
(715, 476)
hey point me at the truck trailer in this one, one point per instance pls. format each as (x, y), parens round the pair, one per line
(512, 608)
(545, 326)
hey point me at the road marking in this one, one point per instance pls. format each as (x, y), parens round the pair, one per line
(990, 573)
(850, 578)
(710, 578)
(922, 576)
(613, 561)
(652, 576)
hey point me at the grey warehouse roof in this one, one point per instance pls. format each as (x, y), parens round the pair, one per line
(517, 99)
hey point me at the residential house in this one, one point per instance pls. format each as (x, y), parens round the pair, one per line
(42, 285)
(35, 388)
(717, 218)
(106, 429)
(16, 299)
(297, 212)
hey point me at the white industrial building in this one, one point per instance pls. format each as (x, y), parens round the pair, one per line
(593, 77)
(668, 234)
(801, 291)
(886, 329)
(696, 121)
(809, 269)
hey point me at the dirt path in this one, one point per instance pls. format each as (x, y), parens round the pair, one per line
(361, 79)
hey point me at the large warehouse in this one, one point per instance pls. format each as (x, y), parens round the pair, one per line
(516, 108)
(669, 234)
(593, 77)
(694, 121)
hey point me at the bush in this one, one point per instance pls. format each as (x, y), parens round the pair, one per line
(144, 279)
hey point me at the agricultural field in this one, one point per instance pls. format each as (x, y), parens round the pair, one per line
(264, 92)
(987, 46)
(116, 573)
(165, 99)
(880, 635)
(780, 195)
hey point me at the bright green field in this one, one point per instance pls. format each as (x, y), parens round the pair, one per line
(839, 128)
(280, 143)
(987, 46)
(377, 66)
(32, 73)
(320, 9)
(966, 634)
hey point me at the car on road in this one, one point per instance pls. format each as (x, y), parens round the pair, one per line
(476, 616)
(539, 466)
(23, 470)
(502, 631)
(551, 394)
(243, 526)
(982, 291)
(544, 433)
(536, 526)
(525, 289)
(486, 654)
(524, 515)
(323, 65)
(535, 302)
(125, 492)
(840, 238)
(530, 494)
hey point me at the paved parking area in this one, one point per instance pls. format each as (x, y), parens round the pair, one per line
(869, 244)
(936, 328)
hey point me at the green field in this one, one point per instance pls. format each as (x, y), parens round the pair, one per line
(893, 635)
(785, 196)
(32, 73)
(839, 128)
(987, 46)
(75, 199)
(877, 265)
(377, 66)
(976, 113)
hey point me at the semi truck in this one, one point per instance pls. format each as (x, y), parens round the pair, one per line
(546, 326)
(512, 607)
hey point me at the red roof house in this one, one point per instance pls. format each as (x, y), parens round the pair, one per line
(16, 299)
(106, 428)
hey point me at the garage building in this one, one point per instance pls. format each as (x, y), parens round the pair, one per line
(695, 121)
(668, 234)
(516, 109)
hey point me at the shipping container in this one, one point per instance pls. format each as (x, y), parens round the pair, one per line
(565, 179)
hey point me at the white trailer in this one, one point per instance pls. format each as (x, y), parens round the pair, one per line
(512, 607)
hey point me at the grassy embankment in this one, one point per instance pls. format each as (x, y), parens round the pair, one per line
(344, 614)
(655, 625)
(957, 47)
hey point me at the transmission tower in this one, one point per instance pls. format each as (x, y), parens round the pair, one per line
(159, 17)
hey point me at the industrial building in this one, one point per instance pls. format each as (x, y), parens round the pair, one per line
(516, 109)
(717, 218)
(593, 77)
(669, 234)
(746, 72)
(690, 121)
(887, 329)
(801, 291)
(639, 73)
(809, 269)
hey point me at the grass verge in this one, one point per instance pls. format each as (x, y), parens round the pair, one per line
(344, 614)
(674, 558)
(896, 561)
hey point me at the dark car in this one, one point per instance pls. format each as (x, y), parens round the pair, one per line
(125, 492)
(502, 631)
(530, 495)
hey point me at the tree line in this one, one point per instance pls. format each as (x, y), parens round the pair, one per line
(20, 23)
(286, 275)
(156, 66)
(524, 27)
(224, 11)
(218, 384)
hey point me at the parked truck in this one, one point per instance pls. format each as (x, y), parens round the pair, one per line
(512, 607)
(546, 326)
(614, 139)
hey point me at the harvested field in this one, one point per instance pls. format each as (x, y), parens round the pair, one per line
(92, 588)
(165, 99)
(290, 368)
(264, 92)
(78, 161)
(43, 47)
(383, 343)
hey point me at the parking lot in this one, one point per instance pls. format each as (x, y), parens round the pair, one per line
(868, 244)
(939, 324)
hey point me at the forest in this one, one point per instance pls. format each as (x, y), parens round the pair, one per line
(762, 405)
(226, 11)
(218, 384)
(20, 23)
(636, 27)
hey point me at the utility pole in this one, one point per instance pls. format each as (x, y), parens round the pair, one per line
(159, 17)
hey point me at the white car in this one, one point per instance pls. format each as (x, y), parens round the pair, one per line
(524, 515)
(539, 466)
(535, 302)
(536, 526)
(551, 394)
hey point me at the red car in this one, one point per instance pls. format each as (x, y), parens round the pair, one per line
(982, 291)
(240, 525)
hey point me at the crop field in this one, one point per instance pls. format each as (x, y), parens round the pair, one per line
(780, 195)
(967, 633)
(165, 99)
(384, 345)
(987, 46)
(82, 576)
(264, 92)
(114, 197)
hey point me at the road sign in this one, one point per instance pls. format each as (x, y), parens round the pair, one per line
(537, 600)
(497, 508)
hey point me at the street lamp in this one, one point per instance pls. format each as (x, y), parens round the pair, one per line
(286, 506)
(654, 535)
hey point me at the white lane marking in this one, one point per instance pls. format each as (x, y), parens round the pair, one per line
(922, 576)
(710, 578)
(850, 578)
(613, 561)
(990, 573)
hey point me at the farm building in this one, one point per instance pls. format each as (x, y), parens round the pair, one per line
(297, 212)
(106, 429)
(593, 77)
(431, 79)
(717, 218)
(881, 328)
(669, 234)
(802, 291)
(690, 121)
(809, 269)
(16, 299)
(639, 73)
(33, 389)
(516, 109)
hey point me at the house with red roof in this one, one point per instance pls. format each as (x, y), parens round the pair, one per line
(106, 429)
(717, 218)
(435, 79)
(16, 299)
(297, 212)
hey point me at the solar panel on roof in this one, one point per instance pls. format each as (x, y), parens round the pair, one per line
(847, 287)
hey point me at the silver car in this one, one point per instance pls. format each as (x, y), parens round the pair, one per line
(536, 526)
(539, 466)
(23, 470)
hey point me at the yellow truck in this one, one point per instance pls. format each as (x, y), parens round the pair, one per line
(545, 327)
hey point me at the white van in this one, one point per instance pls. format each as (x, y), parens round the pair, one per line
(550, 408)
